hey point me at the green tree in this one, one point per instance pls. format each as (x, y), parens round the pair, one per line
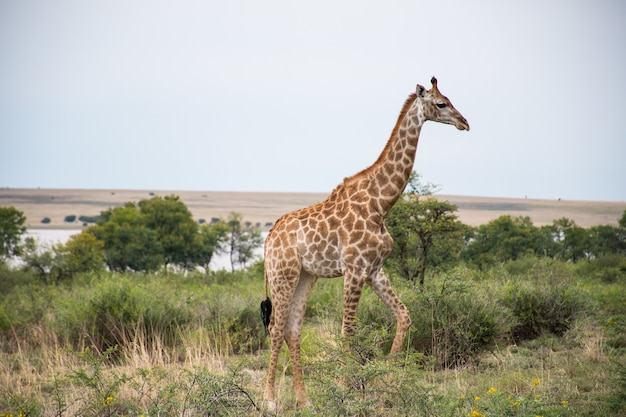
(502, 239)
(12, 228)
(84, 253)
(621, 229)
(574, 240)
(211, 239)
(129, 245)
(58, 262)
(243, 239)
(426, 231)
(177, 232)
(604, 240)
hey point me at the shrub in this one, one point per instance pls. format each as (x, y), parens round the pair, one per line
(118, 312)
(550, 306)
(454, 325)
(246, 331)
(609, 268)
(452, 321)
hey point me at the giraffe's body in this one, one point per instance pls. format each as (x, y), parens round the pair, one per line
(346, 235)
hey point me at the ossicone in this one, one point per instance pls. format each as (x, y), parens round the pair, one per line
(433, 81)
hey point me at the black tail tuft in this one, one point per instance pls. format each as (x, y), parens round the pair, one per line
(266, 313)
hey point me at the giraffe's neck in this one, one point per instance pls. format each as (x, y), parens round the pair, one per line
(386, 178)
(392, 170)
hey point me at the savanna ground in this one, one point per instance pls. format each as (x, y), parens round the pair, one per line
(531, 337)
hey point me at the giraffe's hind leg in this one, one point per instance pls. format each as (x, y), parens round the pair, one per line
(293, 332)
(381, 287)
(283, 286)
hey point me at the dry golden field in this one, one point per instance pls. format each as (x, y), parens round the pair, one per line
(266, 207)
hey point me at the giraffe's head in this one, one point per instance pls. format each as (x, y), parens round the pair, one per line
(438, 108)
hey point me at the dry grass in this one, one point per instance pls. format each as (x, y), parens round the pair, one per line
(266, 207)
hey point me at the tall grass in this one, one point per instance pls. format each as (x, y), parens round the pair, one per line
(530, 337)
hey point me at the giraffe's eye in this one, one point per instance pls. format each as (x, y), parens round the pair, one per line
(441, 105)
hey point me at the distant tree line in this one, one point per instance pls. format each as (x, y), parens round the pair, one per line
(160, 232)
(156, 233)
(428, 235)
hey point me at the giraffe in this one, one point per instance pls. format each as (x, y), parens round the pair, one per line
(344, 235)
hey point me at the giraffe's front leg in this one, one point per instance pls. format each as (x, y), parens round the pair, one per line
(381, 287)
(352, 289)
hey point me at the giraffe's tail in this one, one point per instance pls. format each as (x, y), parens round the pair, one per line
(266, 306)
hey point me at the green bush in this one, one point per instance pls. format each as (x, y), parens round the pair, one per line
(246, 331)
(609, 268)
(541, 307)
(452, 320)
(453, 325)
(119, 311)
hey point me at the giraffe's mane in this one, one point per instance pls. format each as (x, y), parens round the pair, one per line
(405, 109)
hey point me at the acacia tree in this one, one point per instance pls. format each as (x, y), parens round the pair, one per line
(12, 228)
(426, 231)
(129, 245)
(502, 239)
(58, 262)
(176, 230)
(243, 239)
(211, 239)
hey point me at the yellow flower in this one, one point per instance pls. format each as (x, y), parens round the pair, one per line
(477, 414)
(535, 382)
(564, 402)
(462, 397)
(492, 391)
(477, 398)
(109, 400)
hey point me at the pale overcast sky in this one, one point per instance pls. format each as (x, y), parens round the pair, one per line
(295, 96)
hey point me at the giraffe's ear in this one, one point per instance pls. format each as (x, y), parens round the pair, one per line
(419, 90)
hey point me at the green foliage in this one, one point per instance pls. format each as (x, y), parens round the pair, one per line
(457, 313)
(129, 245)
(426, 233)
(161, 232)
(213, 395)
(607, 268)
(210, 241)
(12, 227)
(503, 239)
(243, 239)
(547, 302)
(176, 231)
(452, 321)
(81, 254)
(89, 219)
(102, 388)
(574, 240)
(121, 312)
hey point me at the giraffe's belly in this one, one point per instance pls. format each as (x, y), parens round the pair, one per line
(323, 269)
(321, 257)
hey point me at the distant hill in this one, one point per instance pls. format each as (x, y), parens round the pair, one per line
(266, 207)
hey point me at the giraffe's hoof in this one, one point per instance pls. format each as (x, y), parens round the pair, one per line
(303, 404)
(271, 406)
